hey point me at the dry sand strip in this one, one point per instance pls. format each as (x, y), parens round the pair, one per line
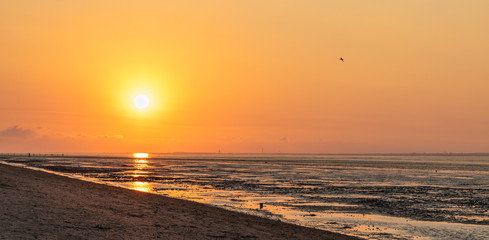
(39, 205)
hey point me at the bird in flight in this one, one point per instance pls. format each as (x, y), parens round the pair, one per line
(341, 59)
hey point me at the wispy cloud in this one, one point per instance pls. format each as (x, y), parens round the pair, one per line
(102, 136)
(16, 131)
(114, 136)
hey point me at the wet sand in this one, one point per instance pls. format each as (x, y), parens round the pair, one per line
(39, 205)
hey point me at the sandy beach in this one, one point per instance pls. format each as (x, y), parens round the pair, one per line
(39, 205)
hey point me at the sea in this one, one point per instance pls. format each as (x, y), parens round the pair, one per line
(416, 196)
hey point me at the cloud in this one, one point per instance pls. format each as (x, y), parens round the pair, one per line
(102, 136)
(283, 139)
(16, 131)
(114, 136)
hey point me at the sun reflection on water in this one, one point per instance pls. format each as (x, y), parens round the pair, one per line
(140, 155)
(141, 186)
(140, 165)
(142, 161)
(139, 174)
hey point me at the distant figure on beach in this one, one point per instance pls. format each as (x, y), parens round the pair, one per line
(29, 154)
(341, 59)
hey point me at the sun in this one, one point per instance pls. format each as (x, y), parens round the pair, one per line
(141, 101)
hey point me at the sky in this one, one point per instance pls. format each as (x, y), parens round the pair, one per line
(244, 76)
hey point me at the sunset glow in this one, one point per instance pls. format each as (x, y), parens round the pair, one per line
(314, 116)
(244, 76)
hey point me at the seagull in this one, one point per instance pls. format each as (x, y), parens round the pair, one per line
(341, 59)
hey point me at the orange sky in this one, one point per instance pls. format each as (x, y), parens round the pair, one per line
(242, 76)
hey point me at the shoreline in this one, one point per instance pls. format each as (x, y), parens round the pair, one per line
(36, 204)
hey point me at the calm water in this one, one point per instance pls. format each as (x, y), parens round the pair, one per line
(376, 197)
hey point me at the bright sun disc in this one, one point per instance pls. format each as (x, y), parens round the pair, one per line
(141, 101)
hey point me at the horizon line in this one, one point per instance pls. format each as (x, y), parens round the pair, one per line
(262, 153)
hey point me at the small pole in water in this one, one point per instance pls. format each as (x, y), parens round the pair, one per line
(261, 205)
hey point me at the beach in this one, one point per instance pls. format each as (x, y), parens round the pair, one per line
(40, 205)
